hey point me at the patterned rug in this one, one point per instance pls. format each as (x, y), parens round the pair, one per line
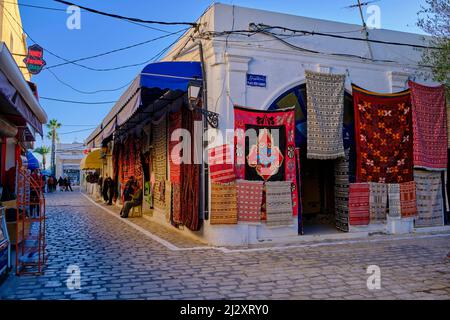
(429, 199)
(223, 203)
(176, 203)
(264, 159)
(408, 199)
(221, 168)
(249, 200)
(429, 126)
(384, 147)
(174, 157)
(358, 204)
(325, 100)
(279, 203)
(395, 208)
(341, 189)
(378, 202)
(168, 200)
(160, 162)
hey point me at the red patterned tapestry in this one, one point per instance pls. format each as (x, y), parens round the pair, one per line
(221, 168)
(249, 200)
(174, 157)
(430, 126)
(383, 127)
(270, 155)
(359, 204)
(408, 199)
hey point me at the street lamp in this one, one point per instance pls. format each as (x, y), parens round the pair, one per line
(194, 96)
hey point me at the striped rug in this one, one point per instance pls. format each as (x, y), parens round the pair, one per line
(359, 208)
(429, 199)
(279, 203)
(378, 202)
(408, 199)
(223, 203)
(341, 190)
(249, 197)
(221, 167)
(394, 200)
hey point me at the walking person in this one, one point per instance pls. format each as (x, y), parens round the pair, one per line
(135, 201)
(60, 184)
(50, 184)
(69, 184)
(106, 189)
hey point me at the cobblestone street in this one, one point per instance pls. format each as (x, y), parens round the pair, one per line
(119, 262)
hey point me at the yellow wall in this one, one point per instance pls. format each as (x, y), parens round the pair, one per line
(11, 33)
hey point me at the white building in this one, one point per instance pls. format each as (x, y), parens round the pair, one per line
(68, 158)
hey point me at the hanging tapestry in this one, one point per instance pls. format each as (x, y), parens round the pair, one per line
(341, 186)
(168, 200)
(378, 202)
(221, 168)
(429, 117)
(358, 204)
(160, 162)
(279, 203)
(325, 101)
(176, 203)
(249, 200)
(384, 131)
(408, 199)
(265, 147)
(395, 209)
(190, 179)
(174, 157)
(448, 123)
(223, 203)
(429, 199)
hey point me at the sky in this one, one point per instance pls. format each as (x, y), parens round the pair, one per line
(99, 34)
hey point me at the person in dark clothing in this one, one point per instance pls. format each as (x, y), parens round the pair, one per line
(65, 184)
(135, 201)
(69, 185)
(107, 190)
(61, 184)
(128, 190)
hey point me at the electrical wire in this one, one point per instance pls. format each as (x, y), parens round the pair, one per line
(76, 131)
(76, 102)
(192, 24)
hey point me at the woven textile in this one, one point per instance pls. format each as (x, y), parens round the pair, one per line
(341, 189)
(384, 136)
(174, 156)
(408, 199)
(221, 168)
(378, 202)
(325, 101)
(168, 200)
(272, 156)
(395, 209)
(429, 199)
(249, 200)
(279, 203)
(176, 203)
(429, 126)
(223, 203)
(358, 204)
(160, 162)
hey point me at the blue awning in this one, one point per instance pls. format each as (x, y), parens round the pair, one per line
(33, 163)
(155, 87)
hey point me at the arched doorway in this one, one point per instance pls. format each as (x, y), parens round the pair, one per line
(324, 194)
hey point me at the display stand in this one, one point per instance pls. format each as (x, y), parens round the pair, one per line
(31, 255)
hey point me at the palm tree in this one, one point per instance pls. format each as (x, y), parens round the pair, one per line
(43, 151)
(53, 125)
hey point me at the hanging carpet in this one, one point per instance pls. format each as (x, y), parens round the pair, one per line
(378, 202)
(174, 156)
(221, 168)
(249, 200)
(395, 209)
(384, 136)
(341, 190)
(223, 203)
(279, 203)
(325, 100)
(429, 126)
(359, 208)
(408, 199)
(160, 162)
(429, 199)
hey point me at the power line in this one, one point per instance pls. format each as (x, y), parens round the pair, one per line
(76, 131)
(77, 102)
(192, 24)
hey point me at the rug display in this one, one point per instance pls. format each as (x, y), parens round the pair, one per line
(378, 202)
(408, 199)
(395, 209)
(249, 200)
(429, 116)
(168, 200)
(429, 199)
(383, 125)
(221, 168)
(341, 192)
(359, 204)
(325, 109)
(174, 157)
(278, 203)
(269, 155)
(160, 162)
(223, 203)
(176, 203)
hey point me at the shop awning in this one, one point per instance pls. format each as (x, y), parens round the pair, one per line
(92, 160)
(22, 105)
(33, 162)
(155, 88)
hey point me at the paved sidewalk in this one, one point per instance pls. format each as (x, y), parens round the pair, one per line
(119, 262)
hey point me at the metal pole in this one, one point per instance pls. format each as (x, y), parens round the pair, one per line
(366, 33)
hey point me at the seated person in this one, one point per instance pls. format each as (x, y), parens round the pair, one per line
(135, 201)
